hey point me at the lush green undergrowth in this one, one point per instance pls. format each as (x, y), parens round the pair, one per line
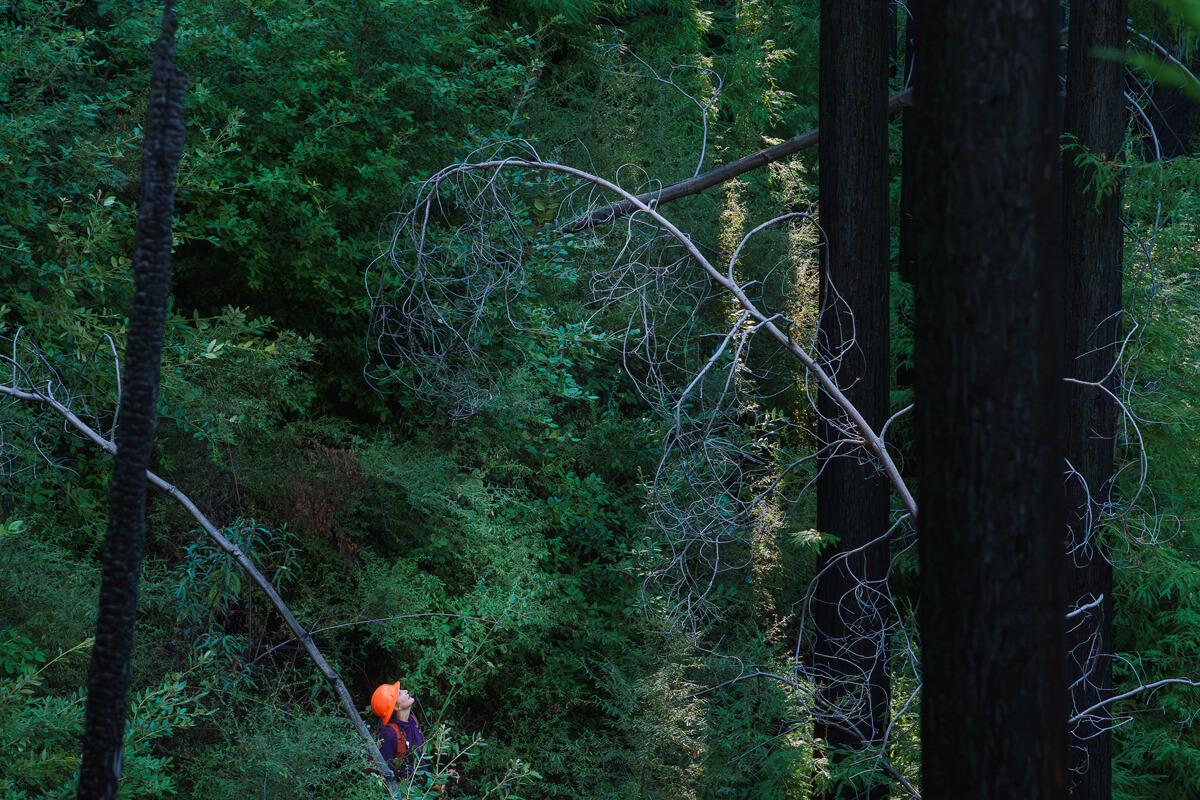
(501, 563)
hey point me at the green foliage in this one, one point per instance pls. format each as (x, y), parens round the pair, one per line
(306, 124)
(231, 377)
(901, 323)
(48, 600)
(493, 558)
(751, 61)
(331, 109)
(69, 131)
(208, 584)
(450, 754)
(280, 750)
(39, 734)
(12, 527)
(1188, 11)
(1156, 541)
(1174, 28)
(58, 126)
(18, 655)
(224, 381)
(1102, 175)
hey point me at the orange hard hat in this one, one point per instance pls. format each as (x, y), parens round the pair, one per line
(383, 702)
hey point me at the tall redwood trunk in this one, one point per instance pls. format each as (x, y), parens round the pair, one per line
(850, 603)
(1093, 243)
(989, 399)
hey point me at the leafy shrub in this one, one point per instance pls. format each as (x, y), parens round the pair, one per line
(40, 732)
(280, 749)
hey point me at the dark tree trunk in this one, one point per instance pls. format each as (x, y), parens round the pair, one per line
(906, 267)
(1093, 245)
(989, 399)
(850, 603)
(121, 559)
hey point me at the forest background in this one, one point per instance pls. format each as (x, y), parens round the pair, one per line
(494, 528)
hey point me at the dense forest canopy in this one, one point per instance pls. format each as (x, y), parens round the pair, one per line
(589, 484)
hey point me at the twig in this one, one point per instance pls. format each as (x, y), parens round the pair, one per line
(358, 622)
(1083, 609)
(1143, 688)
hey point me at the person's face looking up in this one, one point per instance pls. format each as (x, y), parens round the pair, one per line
(404, 701)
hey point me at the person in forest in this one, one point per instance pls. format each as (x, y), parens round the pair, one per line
(399, 735)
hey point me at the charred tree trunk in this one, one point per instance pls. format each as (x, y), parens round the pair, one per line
(850, 603)
(989, 399)
(907, 267)
(1093, 248)
(124, 544)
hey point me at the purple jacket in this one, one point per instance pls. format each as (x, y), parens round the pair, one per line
(410, 730)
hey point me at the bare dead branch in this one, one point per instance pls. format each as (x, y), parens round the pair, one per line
(1126, 695)
(1164, 53)
(766, 322)
(1086, 608)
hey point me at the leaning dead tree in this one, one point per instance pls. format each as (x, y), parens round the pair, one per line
(702, 182)
(434, 288)
(56, 402)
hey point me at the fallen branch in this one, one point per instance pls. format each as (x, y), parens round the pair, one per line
(623, 208)
(247, 566)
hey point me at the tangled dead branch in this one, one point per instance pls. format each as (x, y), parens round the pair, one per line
(454, 262)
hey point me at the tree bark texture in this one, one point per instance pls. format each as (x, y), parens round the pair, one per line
(124, 544)
(989, 399)
(907, 266)
(1093, 248)
(850, 604)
